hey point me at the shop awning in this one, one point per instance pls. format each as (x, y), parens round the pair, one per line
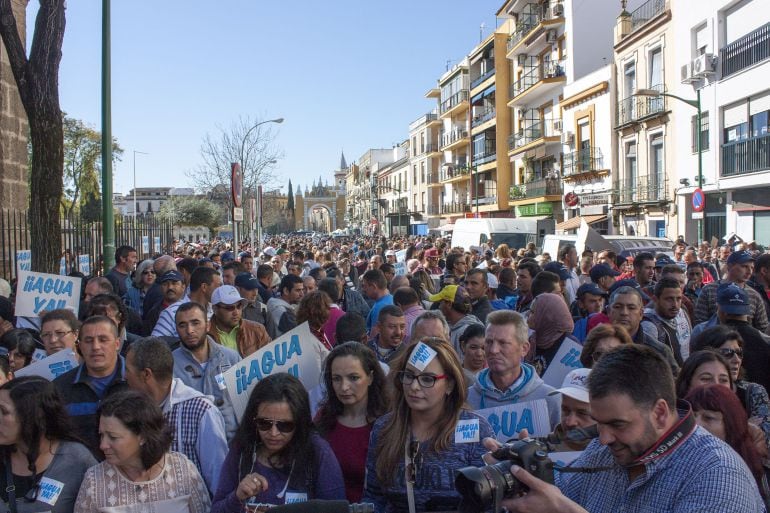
(574, 223)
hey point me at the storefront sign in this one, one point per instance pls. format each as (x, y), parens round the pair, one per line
(535, 209)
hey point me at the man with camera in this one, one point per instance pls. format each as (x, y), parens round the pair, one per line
(650, 454)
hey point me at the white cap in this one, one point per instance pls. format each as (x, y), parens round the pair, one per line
(270, 250)
(492, 281)
(225, 295)
(390, 252)
(575, 385)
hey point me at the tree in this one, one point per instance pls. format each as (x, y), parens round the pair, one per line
(253, 148)
(37, 80)
(191, 211)
(290, 198)
(82, 168)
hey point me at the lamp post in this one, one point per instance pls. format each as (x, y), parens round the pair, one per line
(140, 153)
(241, 158)
(692, 103)
(399, 192)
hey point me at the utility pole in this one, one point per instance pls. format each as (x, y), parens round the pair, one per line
(108, 220)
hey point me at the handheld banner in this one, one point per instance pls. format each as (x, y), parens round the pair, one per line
(400, 268)
(567, 359)
(508, 420)
(63, 266)
(146, 244)
(297, 352)
(587, 237)
(401, 255)
(23, 261)
(156, 245)
(38, 292)
(84, 264)
(52, 367)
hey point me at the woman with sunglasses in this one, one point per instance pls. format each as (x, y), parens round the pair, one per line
(42, 463)
(415, 449)
(143, 279)
(276, 456)
(753, 396)
(355, 398)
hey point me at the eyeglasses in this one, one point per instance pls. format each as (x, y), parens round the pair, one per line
(424, 380)
(729, 353)
(284, 426)
(55, 335)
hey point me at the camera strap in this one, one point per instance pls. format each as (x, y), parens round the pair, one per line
(409, 468)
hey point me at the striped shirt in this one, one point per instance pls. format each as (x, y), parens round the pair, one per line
(706, 306)
(166, 325)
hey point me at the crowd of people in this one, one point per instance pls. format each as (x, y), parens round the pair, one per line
(664, 404)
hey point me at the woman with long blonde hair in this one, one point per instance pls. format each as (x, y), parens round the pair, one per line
(415, 449)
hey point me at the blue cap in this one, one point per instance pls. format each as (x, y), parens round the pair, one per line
(740, 257)
(733, 300)
(558, 268)
(171, 276)
(246, 281)
(590, 288)
(663, 261)
(600, 271)
(227, 256)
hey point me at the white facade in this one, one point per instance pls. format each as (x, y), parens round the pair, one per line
(732, 37)
(424, 164)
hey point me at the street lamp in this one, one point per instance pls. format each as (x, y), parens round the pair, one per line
(692, 103)
(399, 192)
(141, 153)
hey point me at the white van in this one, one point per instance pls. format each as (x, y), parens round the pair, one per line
(514, 232)
(624, 245)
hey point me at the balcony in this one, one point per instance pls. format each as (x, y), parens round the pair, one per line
(430, 148)
(550, 72)
(645, 189)
(433, 179)
(454, 102)
(459, 207)
(752, 48)
(490, 72)
(536, 189)
(646, 12)
(637, 108)
(538, 131)
(483, 158)
(583, 161)
(482, 117)
(454, 172)
(434, 210)
(423, 120)
(746, 156)
(453, 138)
(533, 17)
(487, 194)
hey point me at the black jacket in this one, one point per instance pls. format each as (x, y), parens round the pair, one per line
(756, 352)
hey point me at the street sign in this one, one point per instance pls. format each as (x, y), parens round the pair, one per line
(697, 215)
(237, 214)
(236, 184)
(698, 200)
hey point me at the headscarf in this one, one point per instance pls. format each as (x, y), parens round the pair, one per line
(550, 318)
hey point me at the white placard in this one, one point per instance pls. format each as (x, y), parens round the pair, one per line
(297, 352)
(23, 261)
(63, 267)
(508, 420)
(156, 245)
(421, 356)
(51, 367)
(400, 268)
(401, 255)
(567, 359)
(84, 264)
(146, 244)
(38, 292)
(467, 431)
(588, 237)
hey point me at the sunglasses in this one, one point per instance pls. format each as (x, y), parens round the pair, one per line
(729, 353)
(284, 426)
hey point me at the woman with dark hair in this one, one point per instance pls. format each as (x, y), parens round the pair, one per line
(334, 290)
(59, 330)
(753, 396)
(142, 280)
(276, 456)
(718, 411)
(315, 309)
(138, 468)
(600, 340)
(703, 368)
(38, 449)
(474, 352)
(415, 448)
(21, 346)
(355, 398)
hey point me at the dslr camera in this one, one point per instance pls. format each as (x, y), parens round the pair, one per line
(484, 488)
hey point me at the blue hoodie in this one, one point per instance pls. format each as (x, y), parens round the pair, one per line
(528, 387)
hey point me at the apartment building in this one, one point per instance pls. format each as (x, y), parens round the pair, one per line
(390, 196)
(424, 166)
(361, 210)
(723, 58)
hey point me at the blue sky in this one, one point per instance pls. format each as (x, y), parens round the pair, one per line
(345, 74)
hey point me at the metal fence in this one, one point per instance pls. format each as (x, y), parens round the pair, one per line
(80, 237)
(746, 51)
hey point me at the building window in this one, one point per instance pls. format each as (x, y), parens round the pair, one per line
(704, 132)
(655, 59)
(657, 172)
(422, 172)
(627, 191)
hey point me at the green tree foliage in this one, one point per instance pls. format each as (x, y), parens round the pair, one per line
(191, 211)
(290, 198)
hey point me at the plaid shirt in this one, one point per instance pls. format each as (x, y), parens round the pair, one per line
(702, 475)
(706, 306)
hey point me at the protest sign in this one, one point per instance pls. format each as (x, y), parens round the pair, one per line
(401, 255)
(587, 237)
(297, 352)
(63, 267)
(36, 292)
(146, 244)
(400, 268)
(84, 264)
(156, 244)
(508, 420)
(23, 261)
(567, 359)
(52, 367)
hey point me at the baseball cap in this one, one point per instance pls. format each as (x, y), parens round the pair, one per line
(280, 251)
(740, 257)
(733, 300)
(171, 276)
(227, 256)
(575, 385)
(390, 252)
(269, 251)
(663, 261)
(558, 268)
(600, 271)
(431, 253)
(225, 295)
(453, 294)
(492, 281)
(246, 281)
(590, 288)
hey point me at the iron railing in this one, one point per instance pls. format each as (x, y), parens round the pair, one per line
(537, 130)
(453, 136)
(434, 210)
(645, 189)
(637, 107)
(454, 100)
(484, 75)
(646, 12)
(457, 207)
(551, 69)
(582, 161)
(486, 194)
(430, 148)
(746, 51)
(483, 117)
(746, 156)
(450, 172)
(536, 188)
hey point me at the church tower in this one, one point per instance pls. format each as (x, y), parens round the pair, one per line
(339, 176)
